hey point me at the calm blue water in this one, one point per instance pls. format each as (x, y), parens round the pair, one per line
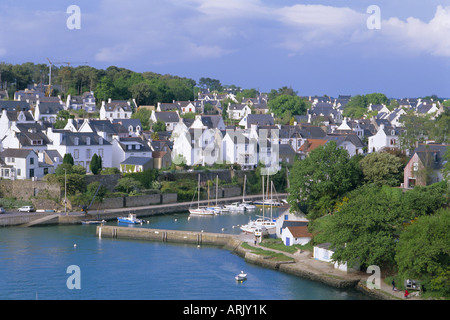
(34, 262)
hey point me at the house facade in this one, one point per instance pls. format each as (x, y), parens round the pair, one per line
(425, 166)
(82, 146)
(21, 164)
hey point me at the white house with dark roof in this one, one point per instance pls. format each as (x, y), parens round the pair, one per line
(258, 119)
(170, 118)
(124, 148)
(8, 118)
(81, 145)
(116, 109)
(84, 102)
(47, 111)
(237, 111)
(386, 137)
(22, 164)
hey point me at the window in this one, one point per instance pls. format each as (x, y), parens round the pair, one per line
(88, 140)
(31, 160)
(88, 153)
(19, 172)
(31, 173)
(76, 153)
(100, 152)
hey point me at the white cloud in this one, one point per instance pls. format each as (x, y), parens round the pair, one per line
(421, 37)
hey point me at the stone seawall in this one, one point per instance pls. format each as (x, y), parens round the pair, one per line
(178, 236)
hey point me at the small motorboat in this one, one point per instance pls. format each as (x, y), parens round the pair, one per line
(130, 219)
(235, 206)
(241, 276)
(93, 222)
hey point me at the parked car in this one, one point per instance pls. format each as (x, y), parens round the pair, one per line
(2, 210)
(26, 209)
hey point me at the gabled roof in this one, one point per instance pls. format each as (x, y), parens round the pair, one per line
(260, 119)
(49, 107)
(167, 116)
(139, 161)
(69, 138)
(432, 154)
(300, 231)
(15, 153)
(311, 144)
(14, 105)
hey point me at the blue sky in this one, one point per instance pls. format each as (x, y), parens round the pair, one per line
(316, 47)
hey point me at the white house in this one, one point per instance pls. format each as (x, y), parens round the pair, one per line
(116, 109)
(81, 145)
(239, 149)
(21, 164)
(296, 235)
(84, 102)
(47, 111)
(238, 111)
(124, 148)
(9, 117)
(170, 118)
(288, 216)
(323, 252)
(385, 137)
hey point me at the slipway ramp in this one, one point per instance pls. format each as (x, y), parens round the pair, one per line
(42, 220)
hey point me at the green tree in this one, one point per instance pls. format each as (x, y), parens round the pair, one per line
(284, 104)
(426, 200)
(68, 159)
(211, 84)
(159, 126)
(143, 114)
(365, 228)
(423, 251)
(96, 164)
(382, 168)
(127, 185)
(322, 178)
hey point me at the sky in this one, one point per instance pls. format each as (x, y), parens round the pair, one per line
(399, 48)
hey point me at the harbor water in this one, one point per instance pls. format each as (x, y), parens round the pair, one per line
(37, 263)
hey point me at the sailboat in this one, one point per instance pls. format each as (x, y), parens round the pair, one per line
(217, 209)
(268, 202)
(247, 204)
(262, 225)
(200, 210)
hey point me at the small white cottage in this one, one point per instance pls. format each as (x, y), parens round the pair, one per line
(322, 252)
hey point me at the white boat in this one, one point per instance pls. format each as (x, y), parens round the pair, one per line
(131, 219)
(201, 210)
(248, 205)
(93, 222)
(268, 224)
(241, 276)
(235, 206)
(265, 225)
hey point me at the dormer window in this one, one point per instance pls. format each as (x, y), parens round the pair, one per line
(77, 141)
(88, 140)
(100, 140)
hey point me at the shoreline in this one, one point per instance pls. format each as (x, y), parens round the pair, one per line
(301, 265)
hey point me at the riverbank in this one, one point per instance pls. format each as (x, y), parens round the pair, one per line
(300, 264)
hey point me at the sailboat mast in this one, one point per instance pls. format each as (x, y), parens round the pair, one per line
(263, 195)
(217, 188)
(243, 190)
(198, 196)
